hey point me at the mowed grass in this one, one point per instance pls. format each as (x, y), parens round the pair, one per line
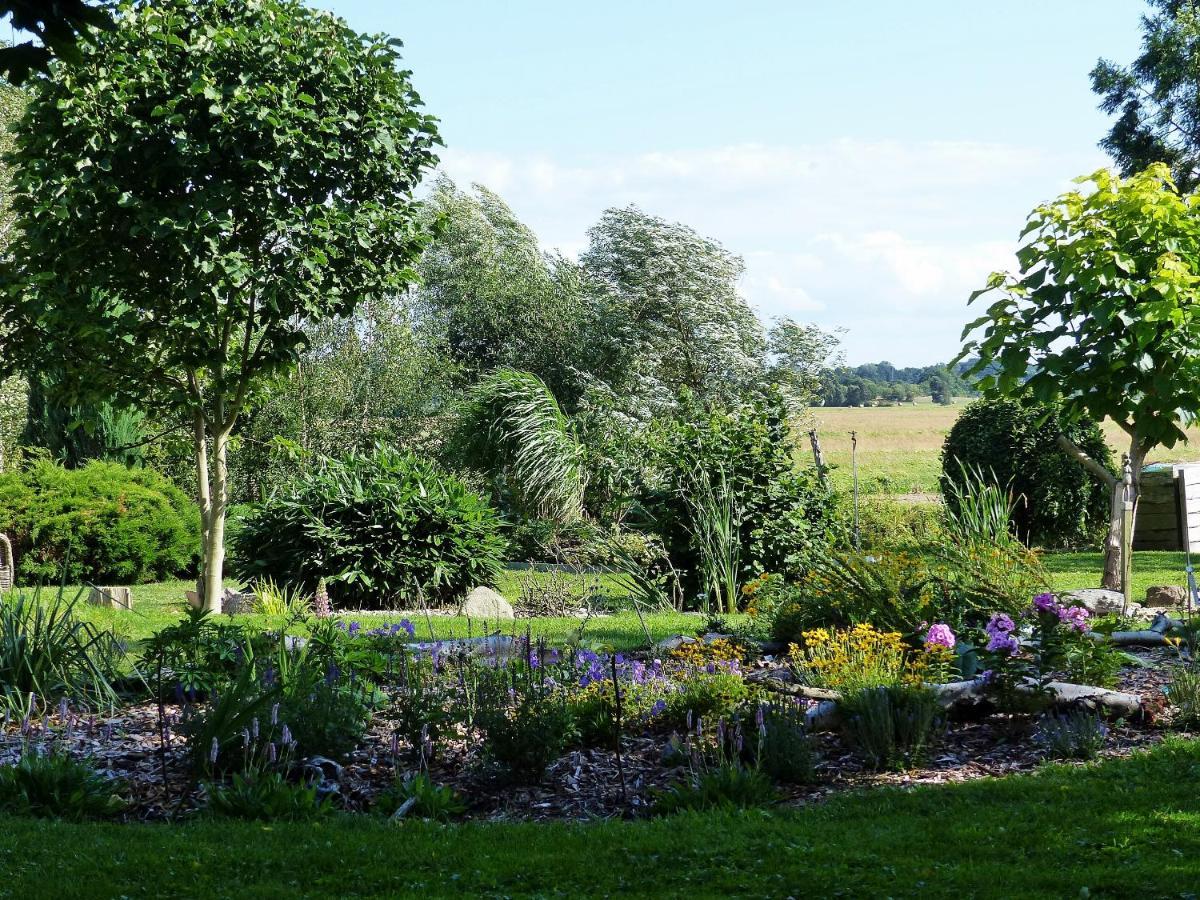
(158, 605)
(1118, 828)
(900, 447)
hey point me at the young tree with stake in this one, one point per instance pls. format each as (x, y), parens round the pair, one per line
(204, 182)
(1105, 312)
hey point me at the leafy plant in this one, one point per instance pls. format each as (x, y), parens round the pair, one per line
(417, 796)
(704, 695)
(849, 661)
(47, 652)
(525, 720)
(727, 784)
(1076, 734)
(56, 785)
(716, 534)
(383, 528)
(785, 747)
(513, 428)
(1015, 446)
(1184, 694)
(267, 796)
(102, 523)
(286, 602)
(890, 726)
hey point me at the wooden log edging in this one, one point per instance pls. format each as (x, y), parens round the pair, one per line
(1060, 693)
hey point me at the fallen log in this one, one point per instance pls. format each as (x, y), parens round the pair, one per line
(1061, 694)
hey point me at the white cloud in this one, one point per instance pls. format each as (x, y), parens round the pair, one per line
(885, 237)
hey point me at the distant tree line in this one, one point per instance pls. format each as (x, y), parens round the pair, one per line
(882, 383)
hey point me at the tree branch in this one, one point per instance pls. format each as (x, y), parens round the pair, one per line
(1086, 461)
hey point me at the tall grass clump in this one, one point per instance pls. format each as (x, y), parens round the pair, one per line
(48, 652)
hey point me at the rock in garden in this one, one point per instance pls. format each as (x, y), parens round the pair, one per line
(484, 603)
(674, 642)
(1166, 595)
(1097, 601)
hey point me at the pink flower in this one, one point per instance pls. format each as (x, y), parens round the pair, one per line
(1075, 616)
(940, 635)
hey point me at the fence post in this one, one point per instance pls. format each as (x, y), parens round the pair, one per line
(854, 475)
(818, 457)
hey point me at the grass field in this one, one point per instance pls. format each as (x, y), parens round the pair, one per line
(1118, 828)
(899, 447)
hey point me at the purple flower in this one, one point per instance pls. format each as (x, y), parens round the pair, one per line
(409, 627)
(354, 628)
(1045, 603)
(214, 752)
(658, 708)
(940, 635)
(1000, 623)
(1003, 643)
(1075, 616)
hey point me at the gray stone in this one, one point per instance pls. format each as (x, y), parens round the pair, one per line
(1097, 601)
(484, 603)
(1166, 595)
(674, 642)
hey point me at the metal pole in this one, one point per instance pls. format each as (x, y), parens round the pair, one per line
(854, 473)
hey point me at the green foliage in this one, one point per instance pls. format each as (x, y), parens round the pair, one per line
(1058, 503)
(1184, 694)
(384, 529)
(1094, 662)
(55, 785)
(785, 749)
(1076, 734)
(102, 523)
(704, 696)
(783, 513)
(1156, 99)
(525, 720)
(885, 524)
(891, 727)
(272, 600)
(420, 798)
(73, 435)
(220, 176)
(512, 428)
(422, 711)
(1102, 310)
(728, 784)
(59, 26)
(48, 652)
(267, 797)
(678, 318)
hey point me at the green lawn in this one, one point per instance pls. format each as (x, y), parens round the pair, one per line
(1120, 828)
(1069, 571)
(161, 604)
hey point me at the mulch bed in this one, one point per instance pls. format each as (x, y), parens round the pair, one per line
(584, 784)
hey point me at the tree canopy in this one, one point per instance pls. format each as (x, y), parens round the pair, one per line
(1156, 99)
(218, 175)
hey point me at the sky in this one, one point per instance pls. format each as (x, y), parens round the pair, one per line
(871, 161)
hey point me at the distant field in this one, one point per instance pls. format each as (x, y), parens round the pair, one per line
(899, 447)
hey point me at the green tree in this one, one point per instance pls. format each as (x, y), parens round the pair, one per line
(74, 435)
(58, 25)
(939, 391)
(800, 355)
(679, 320)
(12, 390)
(492, 298)
(1156, 100)
(1105, 313)
(219, 175)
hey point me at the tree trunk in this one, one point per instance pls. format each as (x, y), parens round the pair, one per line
(214, 538)
(1112, 543)
(200, 445)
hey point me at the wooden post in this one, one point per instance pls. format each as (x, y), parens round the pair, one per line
(1126, 489)
(818, 456)
(854, 475)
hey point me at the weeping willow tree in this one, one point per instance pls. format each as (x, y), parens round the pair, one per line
(513, 428)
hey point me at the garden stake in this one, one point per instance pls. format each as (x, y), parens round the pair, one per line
(854, 474)
(617, 704)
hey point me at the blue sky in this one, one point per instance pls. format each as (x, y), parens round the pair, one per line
(872, 161)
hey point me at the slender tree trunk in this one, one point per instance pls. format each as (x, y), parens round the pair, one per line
(200, 443)
(1112, 544)
(214, 539)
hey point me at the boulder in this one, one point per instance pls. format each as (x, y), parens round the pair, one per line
(1097, 601)
(674, 642)
(1166, 595)
(484, 603)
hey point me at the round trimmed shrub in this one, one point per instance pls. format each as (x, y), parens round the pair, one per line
(1059, 503)
(102, 523)
(383, 528)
